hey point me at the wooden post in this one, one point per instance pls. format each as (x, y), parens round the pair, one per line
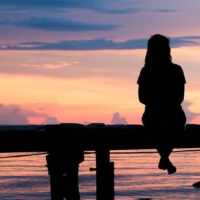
(63, 177)
(104, 175)
(56, 180)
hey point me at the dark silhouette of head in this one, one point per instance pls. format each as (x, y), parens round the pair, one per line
(158, 50)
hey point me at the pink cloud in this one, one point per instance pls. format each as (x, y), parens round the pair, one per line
(16, 115)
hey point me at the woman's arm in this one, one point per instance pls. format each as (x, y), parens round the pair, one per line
(179, 94)
(143, 94)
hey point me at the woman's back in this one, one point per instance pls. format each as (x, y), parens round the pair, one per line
(164, 94)
(161, 85)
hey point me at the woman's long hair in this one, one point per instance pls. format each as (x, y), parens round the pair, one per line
(158, 51)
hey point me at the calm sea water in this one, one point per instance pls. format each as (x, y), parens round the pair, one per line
(136, 177)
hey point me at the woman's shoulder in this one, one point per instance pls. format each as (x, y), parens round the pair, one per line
(178, 71)
(176, 66)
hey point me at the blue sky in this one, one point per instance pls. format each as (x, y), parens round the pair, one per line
(58, 21)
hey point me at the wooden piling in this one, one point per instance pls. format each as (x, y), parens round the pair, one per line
(104, 175)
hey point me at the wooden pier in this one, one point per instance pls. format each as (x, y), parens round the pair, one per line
(98, 137)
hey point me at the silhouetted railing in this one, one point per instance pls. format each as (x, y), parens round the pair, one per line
(101, 138)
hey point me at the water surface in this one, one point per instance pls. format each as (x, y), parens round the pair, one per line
(136, 177)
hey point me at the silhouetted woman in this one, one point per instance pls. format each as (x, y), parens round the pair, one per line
(161, 90)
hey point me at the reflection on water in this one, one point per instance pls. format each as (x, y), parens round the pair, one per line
(136, 177)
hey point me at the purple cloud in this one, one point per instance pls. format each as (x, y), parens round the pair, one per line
(16, 115)
(12, 115)
(51, 120)
(118, 119)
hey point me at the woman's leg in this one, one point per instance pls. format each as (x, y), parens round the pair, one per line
(165, 163)
(165, 151)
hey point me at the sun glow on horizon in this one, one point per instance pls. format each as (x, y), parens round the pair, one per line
(86, 94)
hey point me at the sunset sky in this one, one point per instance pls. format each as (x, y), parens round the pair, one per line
(78, 61)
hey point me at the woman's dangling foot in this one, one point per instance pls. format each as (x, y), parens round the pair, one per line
(165, 164)
(171, 169)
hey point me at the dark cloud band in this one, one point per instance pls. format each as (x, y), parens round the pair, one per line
(58, 24)
(100, 6)
(98, 44)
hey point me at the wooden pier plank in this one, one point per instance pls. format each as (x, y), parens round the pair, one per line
(31, 138)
